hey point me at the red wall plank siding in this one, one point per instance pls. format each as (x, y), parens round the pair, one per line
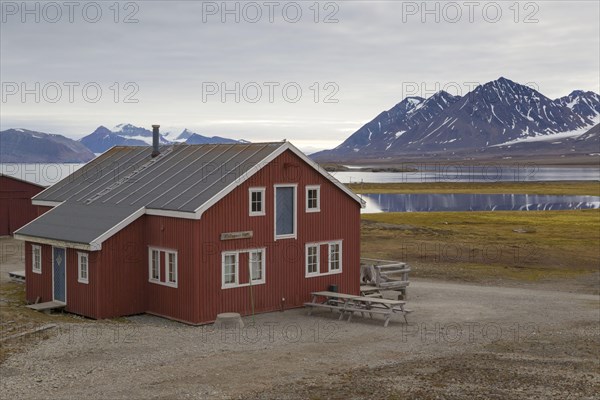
(38, 284)
(182, 236)
(119, 273)
(15, 204)
(339, 219)
(122, 272)
(82, 297)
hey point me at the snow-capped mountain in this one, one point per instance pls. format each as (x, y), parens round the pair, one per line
(25, 146)
(103, 138)
(389, 126)
(582, 103)
(497, 113)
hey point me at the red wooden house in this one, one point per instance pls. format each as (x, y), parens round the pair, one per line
(16, 209)
(190, 231)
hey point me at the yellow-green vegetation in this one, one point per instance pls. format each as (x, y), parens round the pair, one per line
(550, 188)
(16, 319)
(487, 246)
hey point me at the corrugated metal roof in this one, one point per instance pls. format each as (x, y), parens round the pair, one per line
(76, 222)
(120, 185)
(182, 178)
(116, 185)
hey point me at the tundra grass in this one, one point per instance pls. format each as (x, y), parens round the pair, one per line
(15, 318)
(548, 188)
(488, 246)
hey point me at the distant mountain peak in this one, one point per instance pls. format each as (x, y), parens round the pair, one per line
(497, 112)
(126, 134)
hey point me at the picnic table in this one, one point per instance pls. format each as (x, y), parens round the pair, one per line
(333, 301)
(351, 304)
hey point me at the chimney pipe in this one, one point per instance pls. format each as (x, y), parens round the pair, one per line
(155, 141)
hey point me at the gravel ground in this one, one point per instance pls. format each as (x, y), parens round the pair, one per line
(462, 342)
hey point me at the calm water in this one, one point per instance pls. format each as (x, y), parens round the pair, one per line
(470, 173)
(475, 202)
(49, 174)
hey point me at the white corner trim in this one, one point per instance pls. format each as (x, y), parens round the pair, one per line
(56, 243)
(326, 174)
(170, 213)
(46, 203)
(122, 224)
(241, 179)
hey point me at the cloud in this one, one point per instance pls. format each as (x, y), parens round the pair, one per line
(360, 64)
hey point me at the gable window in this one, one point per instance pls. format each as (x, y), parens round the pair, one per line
(312, 259)
(171, 258)
(335, 257)
(257, 266)
(257, 201)
(82, 267)
(285, 212)
(154, 265)
(230, 269)
(313, 198)
(36, 259)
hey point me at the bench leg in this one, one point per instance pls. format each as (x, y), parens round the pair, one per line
(350, 317)
(387, 321)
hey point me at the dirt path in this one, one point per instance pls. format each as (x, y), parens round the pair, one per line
(463, 341)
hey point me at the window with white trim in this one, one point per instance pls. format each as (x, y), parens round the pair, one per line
(156, 256)
(335, 257)
(285, 211)
(256, 201)
(154, 265)
(313, 198)
(230, 269)
(82, 267)
(312, 259)
(257, 266)
(36, 258)
(171, 259)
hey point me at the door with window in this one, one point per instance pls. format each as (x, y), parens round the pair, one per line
(59, 281)
(285, 211)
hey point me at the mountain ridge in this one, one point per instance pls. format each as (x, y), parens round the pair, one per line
(491, 114)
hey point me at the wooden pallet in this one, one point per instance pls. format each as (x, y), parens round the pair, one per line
(17, 276)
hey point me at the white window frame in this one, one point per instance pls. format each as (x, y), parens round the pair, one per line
(224, 255)
(329, 261)
(318, 189)
(262, 192)
(168, 282)
(262, 266)
(295, 233)
(36, 248)
(157, 281)
(150, 265)
(328, 243)
(307, 273)
(251, 282)
(80, 257)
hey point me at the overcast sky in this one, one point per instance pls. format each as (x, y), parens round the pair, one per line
(351, 60)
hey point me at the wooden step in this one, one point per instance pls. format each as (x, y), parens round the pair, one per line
(47, 306)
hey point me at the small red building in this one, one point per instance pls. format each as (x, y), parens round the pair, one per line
(16, 209)
(190, 231)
